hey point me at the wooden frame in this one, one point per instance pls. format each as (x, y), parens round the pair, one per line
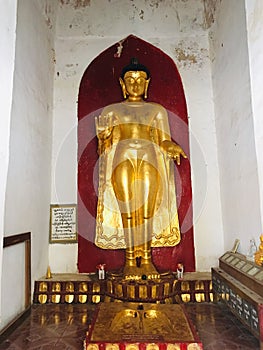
(63, 223)
(23, 238)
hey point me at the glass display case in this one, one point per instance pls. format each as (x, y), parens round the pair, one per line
(239, 283)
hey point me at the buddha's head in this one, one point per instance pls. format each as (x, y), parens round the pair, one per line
(134, 81)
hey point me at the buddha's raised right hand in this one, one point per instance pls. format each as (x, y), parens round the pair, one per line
(104, 126)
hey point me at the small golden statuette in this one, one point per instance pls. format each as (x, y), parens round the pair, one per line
(48, 274)
(259, 253)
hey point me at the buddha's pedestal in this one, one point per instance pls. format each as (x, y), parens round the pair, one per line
(141, 326)
(86, 288)
(142, 290)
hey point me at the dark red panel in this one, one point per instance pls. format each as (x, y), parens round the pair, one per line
(100, 87)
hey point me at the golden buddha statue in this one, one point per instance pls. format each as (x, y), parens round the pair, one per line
(136, 197)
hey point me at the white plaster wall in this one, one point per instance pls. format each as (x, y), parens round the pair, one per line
(234, 124)
(7, 61)
(254, 17)
(28, 182)
(84, 30)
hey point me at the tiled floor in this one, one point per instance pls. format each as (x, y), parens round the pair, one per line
(218, 329)
(64, 326)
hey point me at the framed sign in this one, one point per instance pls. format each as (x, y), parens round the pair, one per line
(63, 223)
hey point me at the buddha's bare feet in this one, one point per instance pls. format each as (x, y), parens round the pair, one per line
(144, 272)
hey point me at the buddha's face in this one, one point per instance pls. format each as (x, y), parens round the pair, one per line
(135, 83)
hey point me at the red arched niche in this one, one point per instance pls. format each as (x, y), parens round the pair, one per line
(99, 87)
